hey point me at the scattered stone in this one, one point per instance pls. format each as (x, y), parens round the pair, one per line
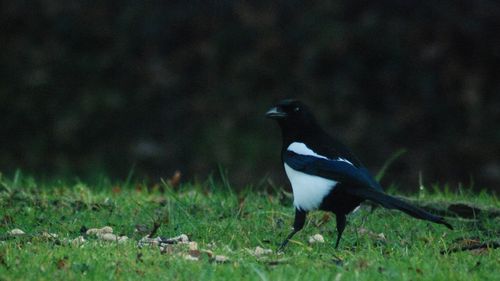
(316, 238)
(221, 258)
(107, 229)
(159, 241)
(99, 231)
(112, 237)
(183, 238)
(78, 241)
(49, 235)
(16, 232)
(193, 246)
(107, 237)
(146, 241)
(259, 251)
(172, 246)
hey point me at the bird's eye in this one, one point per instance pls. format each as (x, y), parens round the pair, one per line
(296, 109)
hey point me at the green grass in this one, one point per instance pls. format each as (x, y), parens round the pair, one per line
(230, 224)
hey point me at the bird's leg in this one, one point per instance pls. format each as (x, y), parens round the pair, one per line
(298, 224)
(341, 220)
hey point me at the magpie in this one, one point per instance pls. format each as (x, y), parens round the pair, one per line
(325, 174)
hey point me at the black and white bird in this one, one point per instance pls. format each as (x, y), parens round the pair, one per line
(324, 174)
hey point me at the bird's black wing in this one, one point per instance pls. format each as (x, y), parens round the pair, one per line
(360, 183)
(335, 169)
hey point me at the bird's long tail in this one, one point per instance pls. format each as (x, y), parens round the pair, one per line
(390, 202)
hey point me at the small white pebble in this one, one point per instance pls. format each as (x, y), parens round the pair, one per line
(99, 231)
(316, 238)
(193, 246)
(183, 238)
(16, 232)
(146, 241)
(92, 231)
(259, 251)
(221, 258)
(107, 237)
(107, 229)
(122, 239)
(78, 241)
(49, 235)
(112, 237)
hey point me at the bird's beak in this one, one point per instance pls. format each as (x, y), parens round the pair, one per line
(275, 113)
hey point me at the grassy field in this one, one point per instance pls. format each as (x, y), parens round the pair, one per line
(376, 245)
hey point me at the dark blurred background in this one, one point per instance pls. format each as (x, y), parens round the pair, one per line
(96, 87)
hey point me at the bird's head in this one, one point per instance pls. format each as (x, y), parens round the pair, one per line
(292, 115)
(289, 110)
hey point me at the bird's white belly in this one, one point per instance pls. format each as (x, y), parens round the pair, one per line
(308, 190)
